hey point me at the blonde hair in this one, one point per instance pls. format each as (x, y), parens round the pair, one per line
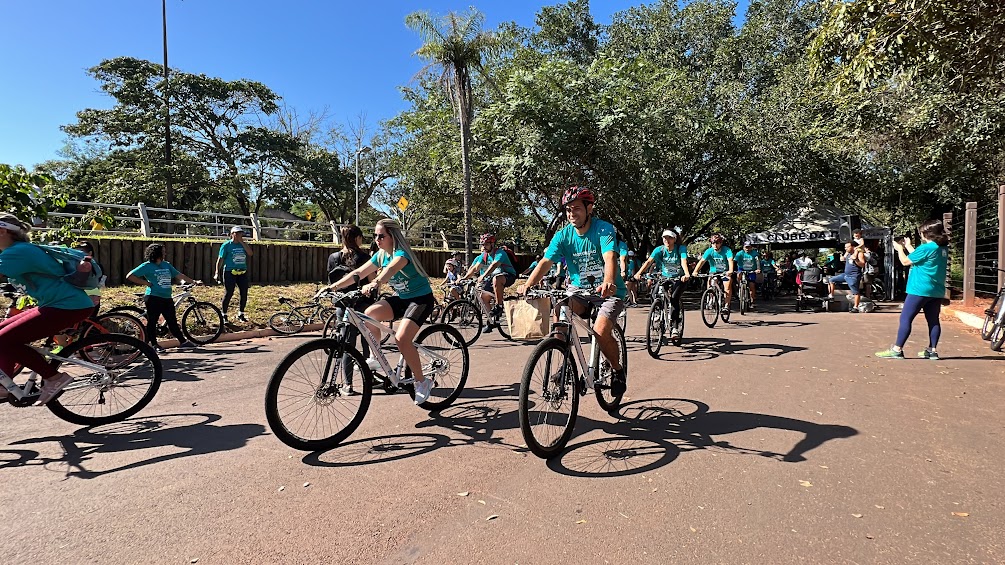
(21, 233)
(393, 228)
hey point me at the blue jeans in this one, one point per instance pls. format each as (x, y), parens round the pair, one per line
(851, 279)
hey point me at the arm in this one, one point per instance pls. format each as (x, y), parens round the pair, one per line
(363, 271)
(216, 271)
(137, 280)
(902, 253)
(608, 287)
(396, 264)
(732, 265)
(247, 249)
(645, 267)
(471, 270)
(185, 278)
(543, 266)
(683, 264)
(624, 266)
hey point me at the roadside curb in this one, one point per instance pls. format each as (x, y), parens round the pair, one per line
(247, 334)
(967, 318)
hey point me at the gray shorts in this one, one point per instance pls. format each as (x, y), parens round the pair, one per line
(610, 307)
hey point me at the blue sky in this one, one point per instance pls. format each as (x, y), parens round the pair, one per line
(346, 56)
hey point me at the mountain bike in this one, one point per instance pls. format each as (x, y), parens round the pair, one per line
(293, 320)
(463, 313)
(472, 293)
(311, 402)
(661, 315)
(558, 373)
(713, 300)
(743, 292)
(993, 329)
(201, 322)
(114, 377)
(109, 322)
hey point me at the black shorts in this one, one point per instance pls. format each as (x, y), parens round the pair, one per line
(416, 309)
(488, 284)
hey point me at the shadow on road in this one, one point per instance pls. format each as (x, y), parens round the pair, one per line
(706, 348)
(189, 366)
(652, 433)
(193, 434)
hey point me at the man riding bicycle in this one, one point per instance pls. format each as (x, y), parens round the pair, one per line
(671, 259)
(720, 262)
(749, 261)
(589, 246)
(495, 273)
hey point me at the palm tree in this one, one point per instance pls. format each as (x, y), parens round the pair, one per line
(456, 44)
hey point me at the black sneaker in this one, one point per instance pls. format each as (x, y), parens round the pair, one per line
(497, 310)
(619, 382)
(241, 317)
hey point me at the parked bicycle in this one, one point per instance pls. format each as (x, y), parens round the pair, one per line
(713, 305)
(308, 403)
(662, 315)
(293, 320)
(993, 329)
(558, 373)
(201, 322)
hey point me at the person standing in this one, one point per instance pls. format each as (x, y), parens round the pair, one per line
(234, 260)
(852, 275)
(158, 275)
(926, 287)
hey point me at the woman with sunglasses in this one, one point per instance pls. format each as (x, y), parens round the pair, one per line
(413, 300)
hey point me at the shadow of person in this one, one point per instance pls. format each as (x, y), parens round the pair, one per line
(194, 434)
(722, 423)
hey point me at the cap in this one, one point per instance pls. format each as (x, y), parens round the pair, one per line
(237, 229)
(669, 233)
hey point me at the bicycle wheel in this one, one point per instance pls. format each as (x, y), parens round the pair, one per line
(997, 337)
(465, 316)
(709, 307)
(501, 323)
(724, 311)
(286, 323)
(129, 382)
(307, 404)
(990, 315)
(622, 321)
(655, 328)
(602, 387)
(131, 310)
(117, 323)
(743, 298)
(202, 323)
(444, 357)
(549, 398)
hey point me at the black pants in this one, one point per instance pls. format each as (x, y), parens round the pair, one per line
(674, 294)
(156, 307)
(230, 280)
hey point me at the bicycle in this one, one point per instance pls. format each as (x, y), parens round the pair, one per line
(308, 404)
(109, 322)
(464, 313)
(115, 376)
(661, 315)
(713, 298)
(551, 382)
(743, 292)
(201, 322)
(292, 321)
(993, 329)
(472, 293)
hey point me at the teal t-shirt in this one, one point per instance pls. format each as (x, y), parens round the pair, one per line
(668, 260)
(928, 270)
(768, 265)
(718, 261)
(505, 266)
(407, 283)
(235, 258)
(158, 275)
(32, 271)
(747, 262)
(632, 266)
(584, 253)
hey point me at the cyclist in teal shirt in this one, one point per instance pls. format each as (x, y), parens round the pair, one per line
(234, 259)
(749, 261)
(671, 259)
(413, 300)
(158, 275)
(589, 246)
(720, 262)
(495, 273)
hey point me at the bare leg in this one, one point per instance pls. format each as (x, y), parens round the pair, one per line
(405, 334)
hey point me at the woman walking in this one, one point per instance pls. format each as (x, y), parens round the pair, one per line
(926, 287)
(157, 275)
(234, 260)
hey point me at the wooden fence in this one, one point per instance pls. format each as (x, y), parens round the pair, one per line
(270, 264)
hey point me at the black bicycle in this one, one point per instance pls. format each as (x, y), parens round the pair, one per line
(663, 315)
(713, 300)
(993, 329)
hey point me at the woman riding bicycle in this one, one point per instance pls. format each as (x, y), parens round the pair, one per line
(413, 300)
(671, 258)
(60, 306)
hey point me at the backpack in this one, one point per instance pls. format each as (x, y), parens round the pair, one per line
(511, 255)
(78, 269)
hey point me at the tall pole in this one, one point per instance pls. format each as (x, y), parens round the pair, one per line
(358, 151)
(169, 191)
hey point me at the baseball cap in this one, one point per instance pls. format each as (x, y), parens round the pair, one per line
(669, 233)
(237, 229)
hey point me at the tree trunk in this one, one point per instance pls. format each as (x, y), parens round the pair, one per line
(464, 113)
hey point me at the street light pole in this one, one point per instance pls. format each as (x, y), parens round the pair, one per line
(359, 152)
(169, 189)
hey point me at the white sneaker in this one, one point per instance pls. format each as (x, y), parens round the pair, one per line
(373, 364)
(422, 390)
(52, 386)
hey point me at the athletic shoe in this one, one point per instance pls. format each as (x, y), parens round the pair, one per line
(619, 382)
(674, 334)
(348, 390)
(926, 354)
(373, 364)
(160, 350)
(52, 386)
(890, 354)
(186, 345)
(241, 317)
(422, 390)
(497, 310)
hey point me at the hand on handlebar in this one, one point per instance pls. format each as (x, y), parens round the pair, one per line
(607, 289)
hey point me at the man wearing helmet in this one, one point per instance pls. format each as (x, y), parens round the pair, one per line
(589, 246)
(720, 260)
(495, 273)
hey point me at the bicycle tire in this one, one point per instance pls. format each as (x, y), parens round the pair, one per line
(622, 321)
(501, 323)
(286, 323)
(204, 318)
(990, 319)
(465, 317)
(132, 310)
(742, 297)
(118, 323)
(709, 307)
(451, 373)
(321, 396)
(91, 399)
(551, 370)
(725, 312)
(601, 388)
(998, 337)
(654, 329)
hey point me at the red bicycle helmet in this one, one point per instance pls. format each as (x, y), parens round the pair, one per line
(717, 239)
(486, 238)
(578, 193)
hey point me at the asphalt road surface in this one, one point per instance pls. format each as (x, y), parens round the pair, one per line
(778, 438)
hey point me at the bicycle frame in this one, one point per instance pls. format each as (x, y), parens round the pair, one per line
(29, 389)
(566, 326)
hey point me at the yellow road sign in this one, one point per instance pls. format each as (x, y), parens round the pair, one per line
(402, 203)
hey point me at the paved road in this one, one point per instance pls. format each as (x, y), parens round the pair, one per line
(799, 447)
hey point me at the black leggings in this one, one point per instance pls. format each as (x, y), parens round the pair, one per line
(230, 280)
(674, 294)
(156, 307)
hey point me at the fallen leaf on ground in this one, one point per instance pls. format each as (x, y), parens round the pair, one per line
(806, 483)
(306, 485)
(492, 517)
(281, 489)
(856, 515)
(878, 506)
(580, 521)
(693, 530)
(481, 502)
(465, 493)
(961, 514)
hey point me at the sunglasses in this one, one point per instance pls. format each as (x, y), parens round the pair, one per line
(379, 236)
